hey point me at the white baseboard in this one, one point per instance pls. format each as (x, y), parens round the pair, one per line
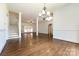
(59, 38)
(13, 37)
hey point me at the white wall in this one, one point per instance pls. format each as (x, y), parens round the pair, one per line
(66, 23)
(43, 26)
(3, 25)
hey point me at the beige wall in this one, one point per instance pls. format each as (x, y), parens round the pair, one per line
(13, 24)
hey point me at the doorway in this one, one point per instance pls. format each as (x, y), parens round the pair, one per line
(50, 31)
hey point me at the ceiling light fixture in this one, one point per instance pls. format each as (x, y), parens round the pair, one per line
(45, 15)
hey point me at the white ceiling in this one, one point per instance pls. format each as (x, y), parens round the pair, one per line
(31, 10)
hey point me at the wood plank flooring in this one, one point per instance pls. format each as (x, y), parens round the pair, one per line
(40, 46)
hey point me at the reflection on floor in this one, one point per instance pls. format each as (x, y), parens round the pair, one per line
(39, 46)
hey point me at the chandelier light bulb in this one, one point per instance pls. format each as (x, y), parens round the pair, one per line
(47, 19)
(50, 18)
(43, 11)
(40, 14)
(48, 13)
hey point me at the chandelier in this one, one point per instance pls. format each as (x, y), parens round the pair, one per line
(45, 15)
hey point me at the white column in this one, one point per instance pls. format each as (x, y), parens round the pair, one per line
(19, 26)
(37, 26)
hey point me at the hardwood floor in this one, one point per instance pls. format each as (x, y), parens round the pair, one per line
(40, 46)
